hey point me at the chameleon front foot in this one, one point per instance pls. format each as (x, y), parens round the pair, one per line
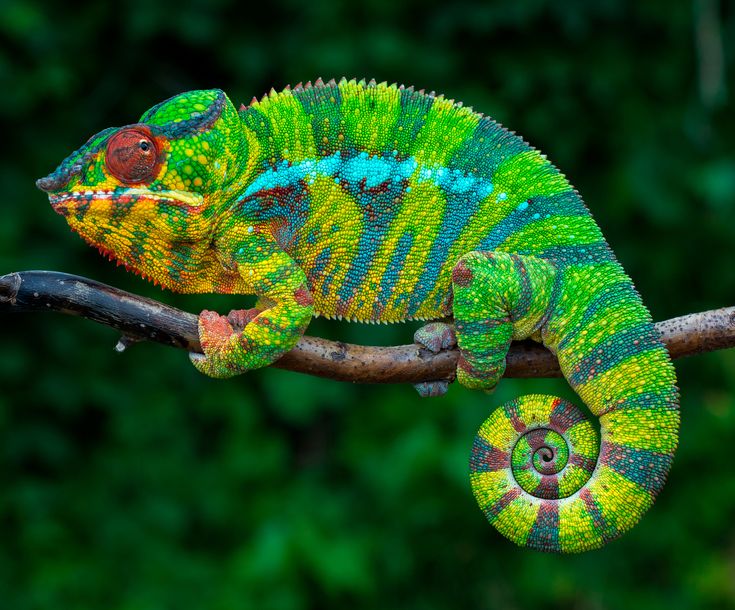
(216, 333)
(240, 318)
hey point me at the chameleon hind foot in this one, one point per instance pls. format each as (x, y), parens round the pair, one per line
(435, 337)
(427, 389)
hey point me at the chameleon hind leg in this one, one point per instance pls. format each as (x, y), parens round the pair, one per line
(498, 297)
(538, 469)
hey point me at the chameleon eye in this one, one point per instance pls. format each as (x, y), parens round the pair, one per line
(132, 156)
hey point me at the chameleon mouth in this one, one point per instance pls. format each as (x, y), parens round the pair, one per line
(65, 203)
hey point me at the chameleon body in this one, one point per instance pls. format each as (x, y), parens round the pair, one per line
(379, 203)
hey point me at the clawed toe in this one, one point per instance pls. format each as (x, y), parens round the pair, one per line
(432, 388)
(436, 336)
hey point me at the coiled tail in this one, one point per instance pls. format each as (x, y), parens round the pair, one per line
(537, 468)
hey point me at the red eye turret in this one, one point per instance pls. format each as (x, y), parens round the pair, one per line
(132, 156)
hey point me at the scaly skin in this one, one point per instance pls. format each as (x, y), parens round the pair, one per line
(377, 203)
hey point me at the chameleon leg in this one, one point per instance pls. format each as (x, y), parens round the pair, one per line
(249, 339)
(539, 471)
(435, 337)
(498, 297)
(239, 318)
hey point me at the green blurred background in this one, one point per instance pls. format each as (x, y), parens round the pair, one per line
(130, 482)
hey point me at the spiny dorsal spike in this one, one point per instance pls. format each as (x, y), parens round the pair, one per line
(332, 83)
(307, 84)
(243, 107)
(287, 88)
(372, 83)
(319, 82)
(299, 86)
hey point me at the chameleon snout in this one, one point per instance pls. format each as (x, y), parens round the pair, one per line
(49, 183)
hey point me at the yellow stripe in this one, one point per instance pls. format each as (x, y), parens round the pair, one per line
(529, 174)
(498, 432)
(446, 128)
(516, 520)
(576, 527)
(607, 322)
(291, 127)
(584, 284)
(572, 479)
(369, 115)
(554, 231)
(337, 218)
(621, 501)
(422, 214)
(644, 429)
(583, 437)
(489, 487)
(625, 380)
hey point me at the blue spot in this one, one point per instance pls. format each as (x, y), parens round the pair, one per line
(522, 206)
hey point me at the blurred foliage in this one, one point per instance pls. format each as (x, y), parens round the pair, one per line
(129, 482)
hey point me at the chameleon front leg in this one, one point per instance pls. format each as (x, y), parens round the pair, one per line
(253, 338)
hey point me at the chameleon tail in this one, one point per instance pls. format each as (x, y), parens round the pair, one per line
(537, 468)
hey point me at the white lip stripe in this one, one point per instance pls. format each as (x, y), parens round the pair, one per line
(191, 199)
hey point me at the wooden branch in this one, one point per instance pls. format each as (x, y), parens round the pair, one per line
(140, 318)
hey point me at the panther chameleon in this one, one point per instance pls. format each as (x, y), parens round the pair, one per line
(379, 203)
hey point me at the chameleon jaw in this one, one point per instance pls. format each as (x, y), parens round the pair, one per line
(64, 203)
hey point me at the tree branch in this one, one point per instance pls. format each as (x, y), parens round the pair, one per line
(140, 318)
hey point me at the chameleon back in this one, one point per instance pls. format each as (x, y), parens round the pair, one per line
(378, 190)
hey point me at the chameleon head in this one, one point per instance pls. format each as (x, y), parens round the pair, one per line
(148, 194)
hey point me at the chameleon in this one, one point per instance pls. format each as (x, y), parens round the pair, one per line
(376, 203)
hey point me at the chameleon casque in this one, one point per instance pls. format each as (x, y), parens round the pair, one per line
(378, 203)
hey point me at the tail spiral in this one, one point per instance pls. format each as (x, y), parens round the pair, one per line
(535, 473)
